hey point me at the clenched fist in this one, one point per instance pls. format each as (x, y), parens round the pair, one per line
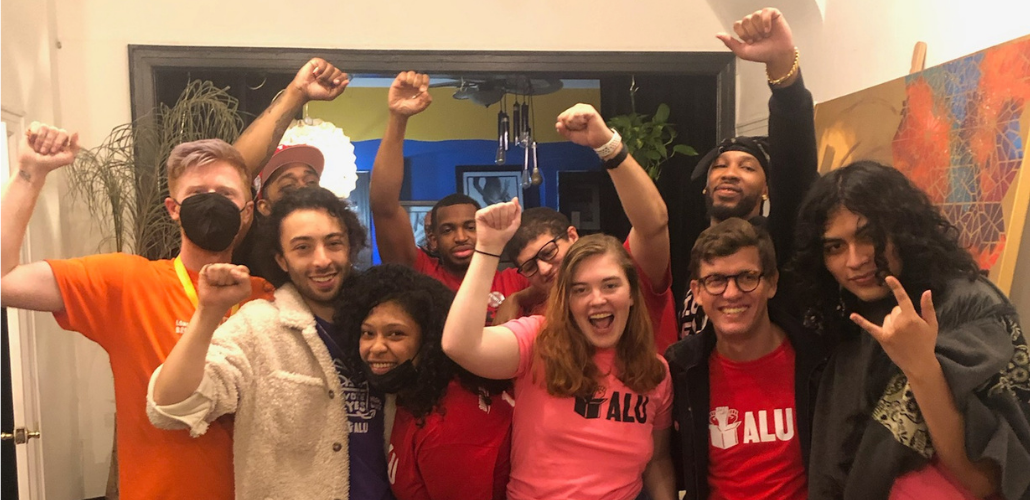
(46, 148)
(222, 286)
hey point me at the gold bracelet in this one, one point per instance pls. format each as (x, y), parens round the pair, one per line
(793, 70)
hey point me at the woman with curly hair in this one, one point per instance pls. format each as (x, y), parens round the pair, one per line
(451, 436)
(594, 400)
(926, 393)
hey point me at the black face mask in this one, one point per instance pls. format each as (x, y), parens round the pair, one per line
(391, 382)
(210, 220)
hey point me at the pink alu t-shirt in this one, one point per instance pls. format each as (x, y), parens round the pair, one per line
(577, 448)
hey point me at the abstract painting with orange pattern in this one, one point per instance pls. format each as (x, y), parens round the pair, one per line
(959, 131)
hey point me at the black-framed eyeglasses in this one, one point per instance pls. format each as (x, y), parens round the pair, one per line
(547, 253)
(746, 281)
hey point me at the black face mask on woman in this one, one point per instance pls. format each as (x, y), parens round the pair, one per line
(210, 220)
(394, 380)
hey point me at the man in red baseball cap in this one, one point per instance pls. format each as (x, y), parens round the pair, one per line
(291, 167)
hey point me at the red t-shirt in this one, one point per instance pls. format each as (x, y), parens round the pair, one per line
(137, 310)
(505, 283)
(753, 447)
(658, 299)
(461, 453)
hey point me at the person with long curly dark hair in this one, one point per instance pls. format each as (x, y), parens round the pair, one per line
(593, 418)
(926, 391)
(451, 435)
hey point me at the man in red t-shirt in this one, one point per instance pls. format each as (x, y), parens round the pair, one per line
(744, 387)
(138, 309)
(539, 245)
(452, 230)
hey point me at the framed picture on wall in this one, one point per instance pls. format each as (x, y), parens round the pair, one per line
(489, 184)
(417, 212)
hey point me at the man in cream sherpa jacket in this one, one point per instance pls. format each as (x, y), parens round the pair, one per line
(273, 364)
(268, 366)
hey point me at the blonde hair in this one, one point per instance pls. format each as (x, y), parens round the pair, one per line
(197, 153)
(563, 352)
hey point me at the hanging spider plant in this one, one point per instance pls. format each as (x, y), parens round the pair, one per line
(649, 139)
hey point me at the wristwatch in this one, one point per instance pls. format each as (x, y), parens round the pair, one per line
(610, 146)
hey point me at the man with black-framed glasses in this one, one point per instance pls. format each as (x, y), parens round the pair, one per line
(544, 235)
(744, 387)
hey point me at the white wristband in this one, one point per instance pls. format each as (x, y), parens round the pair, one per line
(611, 146)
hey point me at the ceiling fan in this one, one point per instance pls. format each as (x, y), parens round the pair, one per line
(488, 90)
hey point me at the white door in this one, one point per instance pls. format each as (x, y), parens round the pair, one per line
(21, 347)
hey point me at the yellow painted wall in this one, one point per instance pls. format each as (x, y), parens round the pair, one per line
(362, 114)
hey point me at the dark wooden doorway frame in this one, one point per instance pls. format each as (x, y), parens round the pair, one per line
(145, 61)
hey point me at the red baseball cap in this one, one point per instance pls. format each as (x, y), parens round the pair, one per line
(287, 154)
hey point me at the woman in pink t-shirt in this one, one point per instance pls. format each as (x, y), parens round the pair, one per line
(593, 411)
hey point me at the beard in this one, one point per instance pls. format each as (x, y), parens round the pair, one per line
(741, 210)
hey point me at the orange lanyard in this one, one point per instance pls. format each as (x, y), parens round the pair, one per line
(187, 285)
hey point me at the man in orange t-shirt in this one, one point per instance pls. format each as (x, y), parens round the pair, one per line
(137, 309)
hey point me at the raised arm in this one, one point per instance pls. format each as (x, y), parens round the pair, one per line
(491, 352)
(910, 338)
(219, 288)
(316, 81)
(765, 37)
(408, 96)
(644, 206)
(31, 286)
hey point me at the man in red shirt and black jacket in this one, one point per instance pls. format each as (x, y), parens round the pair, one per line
(745, 386)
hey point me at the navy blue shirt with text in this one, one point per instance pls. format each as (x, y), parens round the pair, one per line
(368, 479)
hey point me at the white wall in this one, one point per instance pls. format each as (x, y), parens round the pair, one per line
(65, 361)
(94, 34)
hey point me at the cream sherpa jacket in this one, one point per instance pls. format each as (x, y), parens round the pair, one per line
(268, 366)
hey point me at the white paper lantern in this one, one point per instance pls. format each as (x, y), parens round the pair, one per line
(341, 170)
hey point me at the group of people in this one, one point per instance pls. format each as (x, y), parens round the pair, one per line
(842, 346)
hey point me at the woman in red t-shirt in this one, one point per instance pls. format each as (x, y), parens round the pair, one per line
(451, 436)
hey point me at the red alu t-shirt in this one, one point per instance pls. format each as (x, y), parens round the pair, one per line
(461, 452)
(505, 282)
(753, 446)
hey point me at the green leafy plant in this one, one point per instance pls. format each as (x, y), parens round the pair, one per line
(122, 181)
(649, 139)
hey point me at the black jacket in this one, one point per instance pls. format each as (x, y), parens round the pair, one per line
(793, 168)
(983, 354)
(688, 366)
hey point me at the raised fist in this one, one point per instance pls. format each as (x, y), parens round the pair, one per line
(222, 286)
(765, 37)
(496, 224)
(409, 94)
(46, 148)
(582, 124)
(320, 81)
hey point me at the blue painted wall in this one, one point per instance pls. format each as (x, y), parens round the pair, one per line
(432, 163)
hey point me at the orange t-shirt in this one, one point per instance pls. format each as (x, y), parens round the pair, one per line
(137, 310)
